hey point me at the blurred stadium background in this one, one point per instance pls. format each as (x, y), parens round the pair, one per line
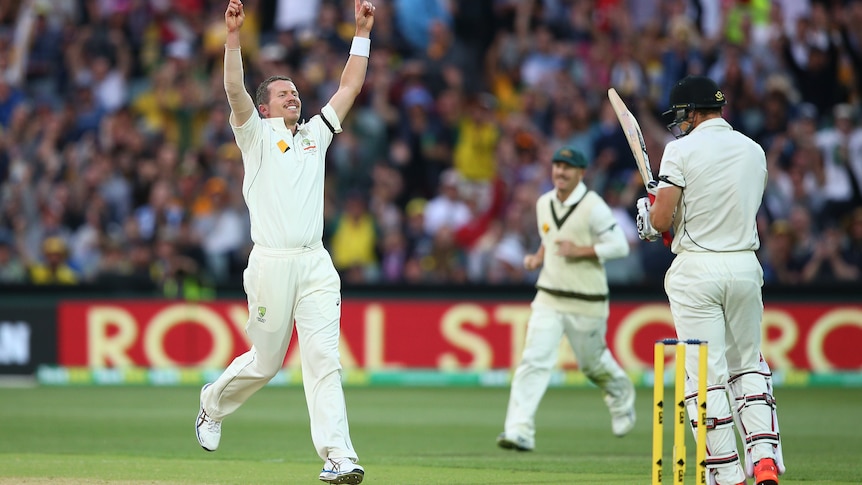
(123, 232)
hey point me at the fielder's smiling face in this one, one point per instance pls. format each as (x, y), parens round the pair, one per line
(566, 177)
(283, 102)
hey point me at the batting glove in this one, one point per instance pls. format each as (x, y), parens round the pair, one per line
(645, 230)
(652, 188)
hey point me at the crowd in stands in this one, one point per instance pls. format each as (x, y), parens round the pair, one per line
(118, 165)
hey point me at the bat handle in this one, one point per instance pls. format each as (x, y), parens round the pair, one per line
(666, 237)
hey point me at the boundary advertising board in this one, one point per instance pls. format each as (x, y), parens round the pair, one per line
(444, 335)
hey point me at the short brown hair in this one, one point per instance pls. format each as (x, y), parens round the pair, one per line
(262, 94)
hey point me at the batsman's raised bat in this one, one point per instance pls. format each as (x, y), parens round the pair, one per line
(635, 137)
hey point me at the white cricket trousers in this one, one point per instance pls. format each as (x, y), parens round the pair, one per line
(586, 335)
(717, 297)
(283, 286)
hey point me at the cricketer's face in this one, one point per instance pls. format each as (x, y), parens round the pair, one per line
(283, 102)
(566, 177)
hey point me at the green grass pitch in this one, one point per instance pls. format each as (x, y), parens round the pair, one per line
(144, 435)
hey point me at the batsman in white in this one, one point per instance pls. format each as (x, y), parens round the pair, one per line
(290, 276)
(711, 184)
(578, 233)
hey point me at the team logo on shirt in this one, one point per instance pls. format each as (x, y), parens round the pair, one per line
(308, 146)
(261, 312)
(545, 228)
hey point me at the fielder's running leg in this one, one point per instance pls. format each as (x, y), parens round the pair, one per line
(587, 336)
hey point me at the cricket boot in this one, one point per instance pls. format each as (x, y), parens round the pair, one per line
(207, 429)
(766, 472)
(341, 471)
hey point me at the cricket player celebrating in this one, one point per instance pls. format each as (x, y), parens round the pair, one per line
(578, 234)
(711, 183)
(290, 276)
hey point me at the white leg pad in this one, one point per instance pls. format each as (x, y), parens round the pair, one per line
(779, 453)
(756, 418)
(722, 459)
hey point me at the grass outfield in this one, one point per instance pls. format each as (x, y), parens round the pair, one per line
(112, 435)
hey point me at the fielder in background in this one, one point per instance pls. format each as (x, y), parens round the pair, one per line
(290, 276)
(578, 234)
(711, 184)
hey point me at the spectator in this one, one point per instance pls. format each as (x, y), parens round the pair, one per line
(613, 160)
(296, 15)
(44, 71)
(12, 270)
(394, 256)
(507, 264)
(627, 74)
(445, 262)
(776, 256)
(413, 18)
(354, 239)
(842, 164)
(803, 229)
(848, 19)
(10, 98)
(811, 56)
(418, 241)
(220, 230)
(474, 33)
(826, 263)
(478, 134)
(175, 274)
(480, 255)
(681, 56)
(446, 62)
(86, 242)
(480, 235)
(419, 136)
(49, 224)
(113, 264)
(127, 267)
(101, 62)
(161, 211)
(852, 251)
(798, 184)
(446, 210)
(54, 268)
(387, 186)
(542, 60)
(157, 104)
(626, 270)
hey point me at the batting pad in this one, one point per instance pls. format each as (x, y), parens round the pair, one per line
(755, 413)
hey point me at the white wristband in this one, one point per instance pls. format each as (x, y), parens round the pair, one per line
(361, 46)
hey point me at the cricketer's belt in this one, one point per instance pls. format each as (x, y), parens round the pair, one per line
(572, 294)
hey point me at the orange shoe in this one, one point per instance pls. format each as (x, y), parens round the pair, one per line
(765, 472)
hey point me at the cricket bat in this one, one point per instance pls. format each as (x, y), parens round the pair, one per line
(635, 137)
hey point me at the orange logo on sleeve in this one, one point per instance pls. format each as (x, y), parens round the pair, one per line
(283, 146)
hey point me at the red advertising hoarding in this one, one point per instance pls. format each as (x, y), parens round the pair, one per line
(441, 334)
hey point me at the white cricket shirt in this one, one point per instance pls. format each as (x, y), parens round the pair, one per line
(283, 180)
(723, 176)
(584, 219)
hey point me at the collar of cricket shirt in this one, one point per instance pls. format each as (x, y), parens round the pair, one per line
(576, 195)
(278, 124)
(713, 123)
